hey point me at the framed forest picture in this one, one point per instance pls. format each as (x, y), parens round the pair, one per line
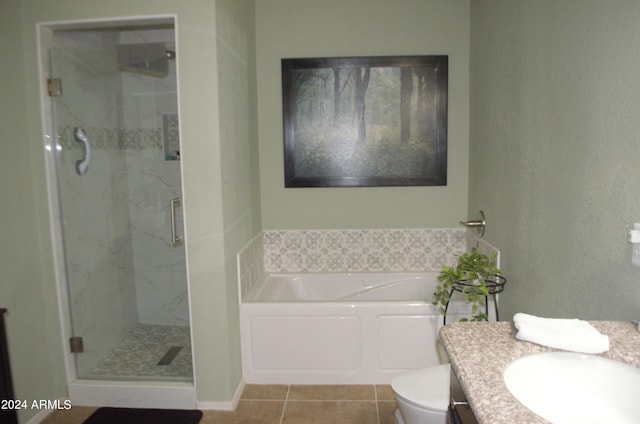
(365, 121)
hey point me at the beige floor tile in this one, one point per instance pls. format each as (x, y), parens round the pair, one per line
(385, 392)
(307, 404)
(265, 392)
(330, 412)
(332, 392)
(386, 411)
(75, 415)
(247, 412)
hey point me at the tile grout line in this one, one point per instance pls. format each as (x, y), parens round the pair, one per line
(375, 391)
(284, 405)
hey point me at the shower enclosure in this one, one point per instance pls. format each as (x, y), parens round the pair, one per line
(115, 185)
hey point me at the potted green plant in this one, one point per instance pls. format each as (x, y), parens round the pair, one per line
(475, 276)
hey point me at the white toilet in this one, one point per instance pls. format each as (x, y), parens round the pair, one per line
(423, 395)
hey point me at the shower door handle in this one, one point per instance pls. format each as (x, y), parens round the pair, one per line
(176, 240)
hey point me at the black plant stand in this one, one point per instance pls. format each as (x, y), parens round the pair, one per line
(495, 286)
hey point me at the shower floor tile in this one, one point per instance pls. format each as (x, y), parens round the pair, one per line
(138, 354)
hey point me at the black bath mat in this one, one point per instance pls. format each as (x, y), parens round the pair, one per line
(144, 416)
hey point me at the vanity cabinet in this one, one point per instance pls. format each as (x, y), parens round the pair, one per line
(459, 410)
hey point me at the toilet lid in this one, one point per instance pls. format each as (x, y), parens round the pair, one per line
(426, 387)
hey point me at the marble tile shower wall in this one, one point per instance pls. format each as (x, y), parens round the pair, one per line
(374, 250)
(158, 268)
(127, 128)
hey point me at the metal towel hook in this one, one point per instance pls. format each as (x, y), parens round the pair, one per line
(478, 224)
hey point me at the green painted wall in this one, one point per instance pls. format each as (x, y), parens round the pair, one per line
(235, 26)
(555, 100)
(27, 287)
(312, 28)
(550, 154)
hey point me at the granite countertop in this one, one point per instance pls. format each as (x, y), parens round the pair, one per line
(479, 352)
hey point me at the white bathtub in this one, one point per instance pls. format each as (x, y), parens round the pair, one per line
(361, 328)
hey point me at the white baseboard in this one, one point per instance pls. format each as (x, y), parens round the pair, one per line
(40, 416)
(230, 405)
(226, 405)
(133, 394)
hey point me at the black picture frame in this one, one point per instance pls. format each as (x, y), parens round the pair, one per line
(365, 121)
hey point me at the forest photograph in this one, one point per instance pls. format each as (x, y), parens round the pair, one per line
(377, 121)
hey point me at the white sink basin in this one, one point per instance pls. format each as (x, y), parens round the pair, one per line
(565, 387)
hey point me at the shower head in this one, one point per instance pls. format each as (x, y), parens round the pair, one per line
(144, 58)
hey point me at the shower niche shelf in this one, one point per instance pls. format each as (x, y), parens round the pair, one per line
(171, 136)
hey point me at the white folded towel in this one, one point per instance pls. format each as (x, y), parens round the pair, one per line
(566, 334)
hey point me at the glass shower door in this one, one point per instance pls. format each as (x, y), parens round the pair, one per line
(119, 193)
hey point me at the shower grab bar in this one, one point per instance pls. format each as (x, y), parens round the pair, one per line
(82, 165)
(176, 240)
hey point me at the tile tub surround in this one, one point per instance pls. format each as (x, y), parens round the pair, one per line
(361, 250)
(367, 250)
(480, 351)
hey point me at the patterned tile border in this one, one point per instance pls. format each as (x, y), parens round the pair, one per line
(471, 241)
(375, 250)
(250, 264)
(113, 138)
(171, 134)
(379, 250)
